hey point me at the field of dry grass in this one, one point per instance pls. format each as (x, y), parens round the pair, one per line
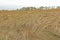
(30, 25)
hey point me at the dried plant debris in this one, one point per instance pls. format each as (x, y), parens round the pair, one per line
(30, 25)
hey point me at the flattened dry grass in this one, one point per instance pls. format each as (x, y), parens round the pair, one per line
(30, 25)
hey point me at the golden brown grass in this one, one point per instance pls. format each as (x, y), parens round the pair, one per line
(30, 25)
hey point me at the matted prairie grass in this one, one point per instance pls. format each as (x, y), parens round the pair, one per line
(30, 25)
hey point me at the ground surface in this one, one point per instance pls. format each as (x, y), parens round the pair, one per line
(30, 25)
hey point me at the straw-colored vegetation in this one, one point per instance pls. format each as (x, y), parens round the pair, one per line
(30, 25)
